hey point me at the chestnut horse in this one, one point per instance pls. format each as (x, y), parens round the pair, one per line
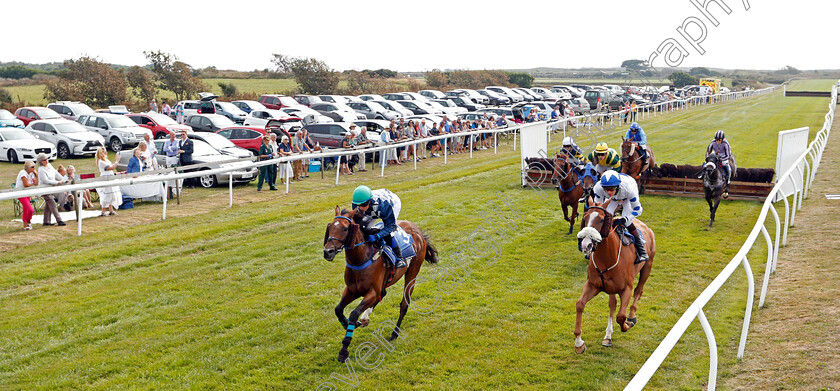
(631, 160)
(569, 188)
(612, 269)
(713, 181)
(366, 275)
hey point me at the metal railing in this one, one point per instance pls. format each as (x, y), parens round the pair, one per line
(801, 175)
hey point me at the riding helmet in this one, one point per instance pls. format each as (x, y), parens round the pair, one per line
(601, 148)
(361, 195)
(567, 142)
(719, 135)
(610, 178)
(635, 126)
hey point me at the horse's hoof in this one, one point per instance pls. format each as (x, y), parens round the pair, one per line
(342, 357)
(363, 322)
(632, 321)
(580, 349)
(394, 336)
(607, 342)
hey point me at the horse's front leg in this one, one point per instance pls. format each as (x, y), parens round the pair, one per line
(367, 302)
(608, 334)
(588, 293)
(625, 296)
(573, 217)
(346, 298)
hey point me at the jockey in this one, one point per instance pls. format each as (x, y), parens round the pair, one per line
(721, 148)
(604, 158)
(621, 190)
(380, 204)
(573, 151)
(637, 135)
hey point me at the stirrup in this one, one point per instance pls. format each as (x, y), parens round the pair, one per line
(400, 264)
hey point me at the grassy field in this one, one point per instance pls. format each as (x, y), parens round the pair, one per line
(241, 298)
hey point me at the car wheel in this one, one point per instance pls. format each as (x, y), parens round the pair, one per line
(160, 136)
(254, 152)
(208, 181)
(380, 117)
(63, 151)
(115, 144)
(13, 156)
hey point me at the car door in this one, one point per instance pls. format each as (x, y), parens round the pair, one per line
(50, 134)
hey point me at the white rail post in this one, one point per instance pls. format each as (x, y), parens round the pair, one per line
(514, 140)
(768, 269)
(337, 169)
(79, 201)
(415, 156)
(445, 155)
(383, 160)
(778, 233)
(748, 312)
(787, 214)
(230, 191)
(166, 196)
(471, 143)
(495, 143)
(710, 337)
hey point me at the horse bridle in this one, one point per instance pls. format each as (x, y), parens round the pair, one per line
(617, 257)
(638, 157)
(343, 242)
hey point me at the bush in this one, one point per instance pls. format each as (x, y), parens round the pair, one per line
(5, 96)
(228, 89)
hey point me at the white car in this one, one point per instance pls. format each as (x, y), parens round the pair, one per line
(507, 93)
(70, 110)
(448, 107)
(17, 145)
(369, 97)
(339, 112)
(547, 94)
(394, 106)
(374, 109)
(307, 116)
(117, 130)
(248, 105)
(259, 118)
(69, 138)
(475, 96)
(432, 94)
(417, 96)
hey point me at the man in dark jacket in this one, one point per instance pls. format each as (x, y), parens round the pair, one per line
(185, 151)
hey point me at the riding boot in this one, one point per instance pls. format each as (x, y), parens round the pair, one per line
(400, 260)
(726, 185)
(641, 252)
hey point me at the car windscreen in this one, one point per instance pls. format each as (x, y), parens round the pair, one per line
(120, 122)
(16, 135)
(47, 114)
(5, 114)
(82, 109)
(375, 106)
(163, 120)
(200, 148)
(74, 127)
(230, 107)
(217, 141)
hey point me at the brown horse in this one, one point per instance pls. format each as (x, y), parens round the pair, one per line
(631, 160)
(569, 188)
(366, 274)
(611, 269)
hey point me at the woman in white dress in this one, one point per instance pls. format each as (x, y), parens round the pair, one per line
(109, 197)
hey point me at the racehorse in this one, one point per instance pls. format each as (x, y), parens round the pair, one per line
(713, 181)
(611, 269)
(569, 188)
(631, 160)
(366, 275)
(587, 181)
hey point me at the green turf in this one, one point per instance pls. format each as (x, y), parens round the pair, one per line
(242, 299)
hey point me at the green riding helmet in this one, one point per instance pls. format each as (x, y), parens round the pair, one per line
(361, 195)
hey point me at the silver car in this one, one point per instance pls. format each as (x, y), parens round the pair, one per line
(69, 138)
(118, 131)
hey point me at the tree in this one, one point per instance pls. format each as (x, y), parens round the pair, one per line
(312, 75)
(635, 65)
(436, 79)
(700, 71)
(17, 72)
(174, 75)
(142, 82)
(228, 89)
(5, 96)
(682, 79)
(90, 81)
(789, 70)
(521, 79)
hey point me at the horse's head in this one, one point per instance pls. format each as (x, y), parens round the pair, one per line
(628, 148)
(589, 177)
(594, 227)
(561, 168)
(343, 232)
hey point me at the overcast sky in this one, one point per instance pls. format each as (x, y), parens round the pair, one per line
(423, 35)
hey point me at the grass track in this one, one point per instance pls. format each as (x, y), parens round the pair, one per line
(241, 299)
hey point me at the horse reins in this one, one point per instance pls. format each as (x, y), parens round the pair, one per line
(617, 257)
(565, 163)
(343, 243)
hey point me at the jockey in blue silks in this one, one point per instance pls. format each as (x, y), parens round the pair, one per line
(385, 205)
(637, 135)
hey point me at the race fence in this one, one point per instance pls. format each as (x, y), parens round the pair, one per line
(801, 175)
(233, 167)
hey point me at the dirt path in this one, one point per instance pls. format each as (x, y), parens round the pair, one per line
(794, 342)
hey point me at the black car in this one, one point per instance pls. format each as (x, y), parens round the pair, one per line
(463, 101)
(593, 96)
(495, 99)
(208, 122)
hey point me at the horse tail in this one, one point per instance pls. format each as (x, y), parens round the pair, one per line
(431, 251)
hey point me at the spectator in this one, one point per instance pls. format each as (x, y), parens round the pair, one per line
(285, 149)
(273, 142)
(153, 107)
(267, 172)
(626, 113)
(424, 132)
(134, 164)
(299, 146)
(185, 151)
(26, 178)
(64, 199)
(179, 113)
(147, 147)
(170, 148)
(110, 197)
(166, 109)
(633, 111)
(434, 144)
(47, 175)
(312, 147)
(394, 154)
(362, 140)
(346, 143)
(74, 178)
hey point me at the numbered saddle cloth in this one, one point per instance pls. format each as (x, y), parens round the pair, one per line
(399, 238)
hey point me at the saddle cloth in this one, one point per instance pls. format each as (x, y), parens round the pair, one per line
(403, 240)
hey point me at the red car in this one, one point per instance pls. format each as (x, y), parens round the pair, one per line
(160, 124)
(277, 102)
(29, 114)
(249, 138)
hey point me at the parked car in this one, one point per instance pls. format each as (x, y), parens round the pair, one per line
(306, 116)
(8, 120)
(395, 106)
(244, 137)
(475, 96)
(373, 125)
(416, 96)
(529, 96)
(117, 130)
(193, 107)
(203, 153)
(573, 92)
(17, 145)
(373, 110)
(221, 144)
(594, 96)
(350, 98)
(499, 111)
(547, 94)
(421, 107)
(397, 96)
(248, 105)
(466, 102)
(328, 135)
(208, 122)
(160, 125)
(430, 118)
(495, 98)
(369, 97)
(339, 112)
(447, 107)
(259, 118)
(70, 110)
(277, 102)
(29, 114)
(432, 94)
(69, 138)
(230, 110)
(308, 100)
(582, 87)
(333, 98)
(579, 105)
(507, 93)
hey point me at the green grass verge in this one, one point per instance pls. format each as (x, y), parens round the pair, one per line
(241, 298)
